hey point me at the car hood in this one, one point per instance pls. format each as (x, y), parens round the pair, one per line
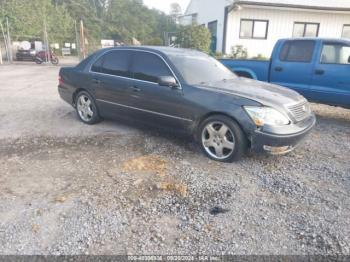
(264, 93)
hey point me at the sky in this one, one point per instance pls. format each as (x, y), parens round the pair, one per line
(164, 5)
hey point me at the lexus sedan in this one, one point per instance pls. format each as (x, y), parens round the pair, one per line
(188, 91)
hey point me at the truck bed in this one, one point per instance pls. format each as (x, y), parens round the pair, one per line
(256, 69)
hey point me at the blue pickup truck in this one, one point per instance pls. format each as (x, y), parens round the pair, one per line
(319, 69)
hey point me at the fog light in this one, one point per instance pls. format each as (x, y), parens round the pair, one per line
(278, 150)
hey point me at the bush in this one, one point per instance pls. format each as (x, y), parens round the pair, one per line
(157, 41)
(217, 55)
(239, 52)
(260, 57)
(195, 37)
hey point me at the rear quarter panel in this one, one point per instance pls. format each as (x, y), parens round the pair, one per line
(73, 80)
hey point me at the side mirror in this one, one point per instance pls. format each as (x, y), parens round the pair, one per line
(168, 81)
(349, 60)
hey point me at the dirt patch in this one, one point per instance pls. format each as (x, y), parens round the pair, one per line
(178, 188)
(150, 163)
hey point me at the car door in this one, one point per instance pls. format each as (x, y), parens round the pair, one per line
(331, 76)
(294, 65)
(153, 103)
(111, 80)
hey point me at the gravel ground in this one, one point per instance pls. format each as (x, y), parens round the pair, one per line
(67, 188)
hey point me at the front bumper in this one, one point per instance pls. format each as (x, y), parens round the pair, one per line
(284, 139)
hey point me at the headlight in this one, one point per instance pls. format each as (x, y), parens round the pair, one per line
(266, 116)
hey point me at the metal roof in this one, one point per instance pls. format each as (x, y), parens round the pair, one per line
(336, 5)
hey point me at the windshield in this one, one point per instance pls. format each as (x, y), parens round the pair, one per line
(201, 69)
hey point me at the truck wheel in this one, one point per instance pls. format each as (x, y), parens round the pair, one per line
(222, 139)
(244, 74)
(86, 108)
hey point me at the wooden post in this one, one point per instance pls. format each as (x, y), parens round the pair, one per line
(77, 44)
(0, 56)
(46, 39)
(5, 42)
(82, 38)
(9, 44)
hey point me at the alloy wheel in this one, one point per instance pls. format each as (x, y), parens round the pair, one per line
(218, 140)
(84, 107)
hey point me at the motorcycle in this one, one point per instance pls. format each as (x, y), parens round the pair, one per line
(42, 57)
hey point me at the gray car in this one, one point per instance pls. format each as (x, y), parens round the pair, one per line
(187, 91)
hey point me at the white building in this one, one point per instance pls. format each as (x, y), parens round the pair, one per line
(258, 24)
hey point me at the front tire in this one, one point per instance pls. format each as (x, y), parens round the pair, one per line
(86, 108)
(222, 139)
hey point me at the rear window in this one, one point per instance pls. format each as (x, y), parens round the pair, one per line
(117, 63)
(297, 51)
(82, 65)
(335, 54)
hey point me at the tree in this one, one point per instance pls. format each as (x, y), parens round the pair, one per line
(126, 19)
(27, 19)
(175, 11)
(195, 37)
(120, 20)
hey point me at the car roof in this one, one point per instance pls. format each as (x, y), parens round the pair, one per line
(166, 50)
(339, 40)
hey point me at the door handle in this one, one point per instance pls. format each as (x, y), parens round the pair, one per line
(319, 71)
(278, 69)
(136, 89)
(96, 81)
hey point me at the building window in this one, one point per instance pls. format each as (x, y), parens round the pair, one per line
(306, 29)
(194, 18)
(254, 29)
(346, 31)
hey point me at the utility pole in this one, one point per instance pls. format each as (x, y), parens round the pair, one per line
(46, 39)
(77, 45)
(82, 38)
(9, 44)
(5, 42)
(0, 56)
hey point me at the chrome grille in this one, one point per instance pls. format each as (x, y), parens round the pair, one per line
(300, 111)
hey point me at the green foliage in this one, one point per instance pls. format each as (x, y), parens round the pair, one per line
(126, 19)
(217, 55)
(239, 52)
(121, 20)
(27, 19)
(157, 41)
(260, 57)
(195, 37)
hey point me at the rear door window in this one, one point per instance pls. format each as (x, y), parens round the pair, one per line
(117, 63)
(297, 51)
(335, 54)
(97, 66)
(149, 67)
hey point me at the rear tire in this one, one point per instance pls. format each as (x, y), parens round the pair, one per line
(38, 61)
(54, 61)
(222, 139)
(86, 108)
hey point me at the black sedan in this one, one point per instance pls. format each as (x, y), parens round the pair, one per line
(188, 91)
(25, 55)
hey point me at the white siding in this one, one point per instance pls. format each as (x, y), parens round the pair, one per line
(281, 24)
(318, 3)
(209, 11)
